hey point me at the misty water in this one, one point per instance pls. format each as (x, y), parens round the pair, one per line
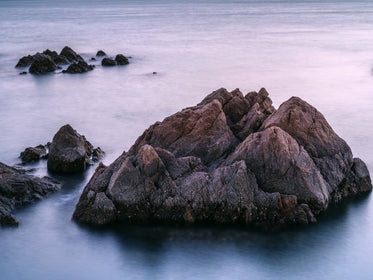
(321, 51)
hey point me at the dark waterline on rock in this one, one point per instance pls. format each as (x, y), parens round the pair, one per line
(320, 51)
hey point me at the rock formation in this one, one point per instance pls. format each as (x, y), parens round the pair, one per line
(108, 62)
(33, 154)
(18, 188)
(230, 159)
(70, 152)
(49, 61)
(80, 67)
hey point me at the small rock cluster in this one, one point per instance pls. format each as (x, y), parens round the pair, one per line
(49, 61)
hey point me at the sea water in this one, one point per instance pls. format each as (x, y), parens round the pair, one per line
(321, 51)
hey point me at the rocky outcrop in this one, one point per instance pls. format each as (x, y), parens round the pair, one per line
(100, 53)
(80, 67)
(49, 61)
(42, 63)
(70, 152)
(230, 159)
(31, 154)
(71, 55)
(108, 62)
(121, 59)
(18, 188)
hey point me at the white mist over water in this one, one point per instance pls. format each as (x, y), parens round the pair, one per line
(320, 51)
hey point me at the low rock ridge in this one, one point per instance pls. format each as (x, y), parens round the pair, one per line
(49, 61)
(18, 188)
(230, 159)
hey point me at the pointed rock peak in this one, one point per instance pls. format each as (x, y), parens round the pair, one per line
(222, 95)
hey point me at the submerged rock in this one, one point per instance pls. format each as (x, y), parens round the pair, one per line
(108, 62)
(230, 159)
(42, 63)
(18, 188)
(80, 67)
(70, 152)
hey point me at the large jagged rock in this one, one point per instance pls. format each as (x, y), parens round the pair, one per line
(18, 188)
(230, 159)
(69, 151)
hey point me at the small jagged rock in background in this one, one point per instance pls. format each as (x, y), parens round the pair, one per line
(42, 63)
(230, 159)
(108, 62)
(18, 188)
(97, 154)
(80, 67)
(121, 59)
(71, 55)
(33, 154)
(69, 151)
(25, 61)
(100, 53)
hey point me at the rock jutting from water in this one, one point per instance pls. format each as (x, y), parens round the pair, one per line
(48, 61)
(18, 188)
(230, 159)
(70, 152)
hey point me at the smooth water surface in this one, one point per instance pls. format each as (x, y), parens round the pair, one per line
(321, 51)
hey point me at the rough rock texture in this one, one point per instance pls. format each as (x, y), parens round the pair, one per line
(108, 62)
(18, 188)
(25, 61)
(121, 59)
(80, 67)
(33, 153)
(69, 151)
(71, 55)
(230, 159)
(42, 63)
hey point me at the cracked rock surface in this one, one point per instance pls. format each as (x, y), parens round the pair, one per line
(230, 159)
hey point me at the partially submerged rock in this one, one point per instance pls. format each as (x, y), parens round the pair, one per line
(25, 61)
(230, 159)
(121, 59)
(70, 152)
(80, 67)
(100, 53)
(71, 55)
(18, 188)
(42, 63)
(33, 153)
(108, 62)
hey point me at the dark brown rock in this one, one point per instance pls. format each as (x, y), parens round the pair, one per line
(80, 67)
(33, 154)
(69, 151)
(108, 62)
(18, 188)
(230, 159)
(121, 59)
(71, 55)
(25, 61)
(42, 63)
(100, 53)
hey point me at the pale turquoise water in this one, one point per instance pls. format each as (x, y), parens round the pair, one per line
(321, 51)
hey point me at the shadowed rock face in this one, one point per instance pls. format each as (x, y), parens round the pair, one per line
(18, 188)
(69, 151)
(230, 159)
